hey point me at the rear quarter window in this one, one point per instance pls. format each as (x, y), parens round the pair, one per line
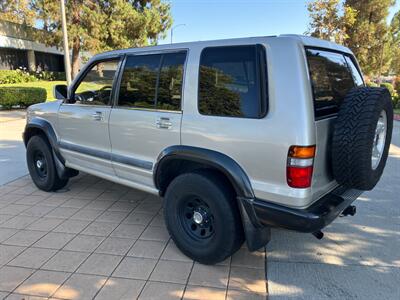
(331, 78)
(232, 81)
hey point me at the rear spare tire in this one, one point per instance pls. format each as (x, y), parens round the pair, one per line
(361, 137)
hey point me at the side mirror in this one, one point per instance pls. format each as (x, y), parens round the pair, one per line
(60, 91)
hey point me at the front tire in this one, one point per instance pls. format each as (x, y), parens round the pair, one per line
(202, 217)
(41, 165)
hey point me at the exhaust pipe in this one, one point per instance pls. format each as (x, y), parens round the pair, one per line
(318, 234)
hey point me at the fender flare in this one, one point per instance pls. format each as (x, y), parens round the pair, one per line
(48, 130)
(45, 126)
(223, 163)
(257, 236)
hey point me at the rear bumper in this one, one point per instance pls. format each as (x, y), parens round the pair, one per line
(310, 219)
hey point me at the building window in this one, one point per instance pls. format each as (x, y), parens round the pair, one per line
(12, 59)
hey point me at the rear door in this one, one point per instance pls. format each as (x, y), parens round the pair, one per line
(147, 116)
(332, 75)
(83, 119)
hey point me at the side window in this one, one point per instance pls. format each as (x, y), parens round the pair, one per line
(95, 88)
(152, 81)
(232, 81)
(138, 82)
(169, 93)
(331, 80)
(358, 80)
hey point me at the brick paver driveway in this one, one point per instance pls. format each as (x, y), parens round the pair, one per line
(97, 239)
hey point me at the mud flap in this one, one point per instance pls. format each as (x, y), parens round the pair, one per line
(257, 235)
(63, 172)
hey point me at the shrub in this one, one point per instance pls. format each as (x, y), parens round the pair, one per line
(15, 76)
(371, 84)
(392, 92)
(49, 75)
(21, 96)
(397, 85)
(389, 87)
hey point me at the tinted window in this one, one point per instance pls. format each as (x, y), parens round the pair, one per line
(331, 80)
(170, 83)
(358, 80)
(230, 81)
(95, 87)
(138, 83)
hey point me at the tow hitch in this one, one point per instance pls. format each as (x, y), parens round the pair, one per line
(349, 211)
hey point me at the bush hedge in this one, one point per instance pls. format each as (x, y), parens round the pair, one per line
(21, 96)
(390, 87)
(50, 76)
(15, 76)
(393, 93)
(20, 76)
(371, 84)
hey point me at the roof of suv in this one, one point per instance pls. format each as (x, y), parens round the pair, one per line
(305, 40)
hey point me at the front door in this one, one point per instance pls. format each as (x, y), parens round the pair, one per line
(83, 119)
(147, 116)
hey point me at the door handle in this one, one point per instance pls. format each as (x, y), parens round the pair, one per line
(97, 116)
(164, 123)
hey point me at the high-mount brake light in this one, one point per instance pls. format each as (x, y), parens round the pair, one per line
(300, 165)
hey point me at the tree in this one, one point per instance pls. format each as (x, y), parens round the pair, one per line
(101, 25)
(395, 43)
(330, 20)
(368, 37)
(361, 25)
(17, 11)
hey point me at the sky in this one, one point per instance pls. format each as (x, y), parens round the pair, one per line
(221, 19)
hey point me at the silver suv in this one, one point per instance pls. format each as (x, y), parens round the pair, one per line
(237, 136)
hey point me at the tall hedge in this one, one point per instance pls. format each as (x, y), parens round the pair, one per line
(21, 96)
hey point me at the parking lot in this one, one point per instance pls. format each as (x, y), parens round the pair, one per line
(99, 239)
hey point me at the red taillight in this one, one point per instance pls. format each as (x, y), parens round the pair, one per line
(300, 166)
(299, 177)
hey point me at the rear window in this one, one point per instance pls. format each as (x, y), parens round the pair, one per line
(332, 76)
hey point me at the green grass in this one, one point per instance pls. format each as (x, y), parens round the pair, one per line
(397, 111)
(48, 85)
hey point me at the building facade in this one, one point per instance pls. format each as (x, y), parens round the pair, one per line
(20, 49)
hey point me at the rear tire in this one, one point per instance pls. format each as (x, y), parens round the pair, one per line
(359, 153)
(41, 165)
(202, 217)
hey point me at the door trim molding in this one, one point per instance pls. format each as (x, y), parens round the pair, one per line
(122, 159)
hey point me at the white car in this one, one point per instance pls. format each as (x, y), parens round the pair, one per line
(237, 135)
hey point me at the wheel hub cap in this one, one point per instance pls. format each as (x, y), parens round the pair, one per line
(379, 140)
(39, 164)
(197, 217)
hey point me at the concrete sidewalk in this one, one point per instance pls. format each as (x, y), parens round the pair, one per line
(12, 149)
(100, 240)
